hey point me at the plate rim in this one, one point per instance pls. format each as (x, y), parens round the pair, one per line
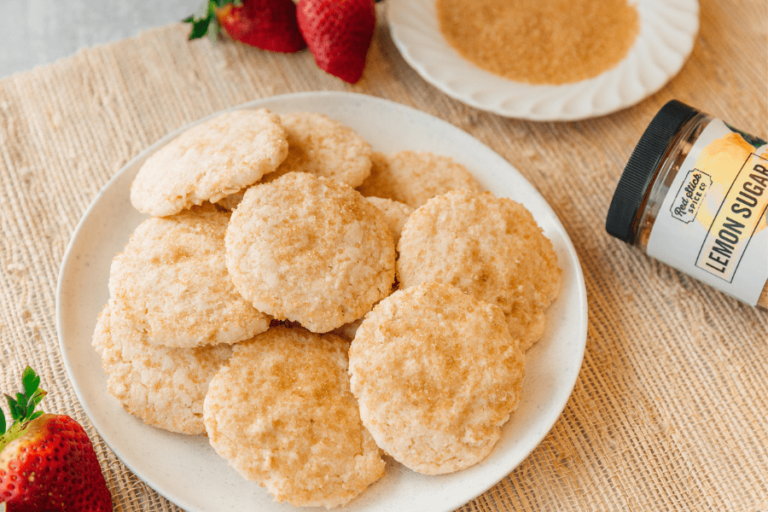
(67, 261)
(419, 66)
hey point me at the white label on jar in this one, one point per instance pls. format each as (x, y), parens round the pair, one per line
(712, 224)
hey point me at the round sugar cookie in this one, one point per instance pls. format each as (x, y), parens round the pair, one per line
(282, 414)
(173, 282)
(436, 373)
(310, 250)
(489, 247)
(395, 214)
(210, 161)
(414, 177)
(163, 386)
(324, 147)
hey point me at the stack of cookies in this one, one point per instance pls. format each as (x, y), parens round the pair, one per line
(311, 305)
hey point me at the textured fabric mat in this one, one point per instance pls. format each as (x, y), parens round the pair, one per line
(670, 411)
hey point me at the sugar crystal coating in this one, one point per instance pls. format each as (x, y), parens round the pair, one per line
(282, 414)
(324, 147)
(163, 386)
(309, 250)
(210, 161)
(436, 374)
(489, 247)
(414, 177)
(173, 282)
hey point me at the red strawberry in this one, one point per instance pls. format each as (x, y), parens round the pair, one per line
(338, 33)
(266, 24)
(47, 462)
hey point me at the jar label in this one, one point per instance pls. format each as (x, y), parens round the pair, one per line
(712, 224)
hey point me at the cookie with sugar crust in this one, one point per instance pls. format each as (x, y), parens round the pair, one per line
(210, 161)
(172, 282)
(395, 214)
(281, 413)
(414, 177)
(489, 247)
(324, 147)
(436, 373)
(310, 250)
(163, 386)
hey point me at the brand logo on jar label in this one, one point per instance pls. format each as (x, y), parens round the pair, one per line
(690, 196)
(739, 217)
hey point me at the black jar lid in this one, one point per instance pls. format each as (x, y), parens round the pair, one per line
(641, 168)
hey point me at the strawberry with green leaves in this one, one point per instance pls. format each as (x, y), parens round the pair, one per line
(47, 462)
(266, 24)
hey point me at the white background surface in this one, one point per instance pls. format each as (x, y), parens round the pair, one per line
(37, 32)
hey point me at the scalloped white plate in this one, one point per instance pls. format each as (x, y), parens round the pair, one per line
(185, 469)
(668, 30)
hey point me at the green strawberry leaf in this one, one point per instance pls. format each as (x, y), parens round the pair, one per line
(199, 27)
(25, 408)
(30, 380)
(37, 398)
(22, 408)
(33, 402)
(12, 406)
(21, 403)
(201, 20)
(204, 21)
(214, 32)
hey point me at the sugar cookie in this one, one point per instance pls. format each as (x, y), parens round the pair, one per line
(324, 147)
(210, 161)
(488, 247)
(282, 414)
(413, 177)
(173, 283)
(310, 250)
(436, 373)
(395, 214)
(163, 386)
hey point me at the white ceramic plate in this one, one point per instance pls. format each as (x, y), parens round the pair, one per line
(668, 29)
(185, 469)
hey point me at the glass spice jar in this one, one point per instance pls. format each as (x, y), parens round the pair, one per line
(694, 195)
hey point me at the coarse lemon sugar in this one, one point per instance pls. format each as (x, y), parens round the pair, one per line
(540, 41)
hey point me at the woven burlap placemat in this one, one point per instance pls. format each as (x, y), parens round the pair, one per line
(671, 408)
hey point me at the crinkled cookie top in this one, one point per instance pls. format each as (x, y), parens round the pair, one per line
(436, 373)
(210, 161)
(163, 386)
(310, 250)
(489, 247)
(282, 414)
(173, 283)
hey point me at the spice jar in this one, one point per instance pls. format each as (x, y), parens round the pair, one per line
(694, 195)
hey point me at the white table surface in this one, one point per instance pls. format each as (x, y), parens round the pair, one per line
(37, 32)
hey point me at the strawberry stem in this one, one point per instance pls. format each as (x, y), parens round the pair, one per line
(204, 21)
(22, 408)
